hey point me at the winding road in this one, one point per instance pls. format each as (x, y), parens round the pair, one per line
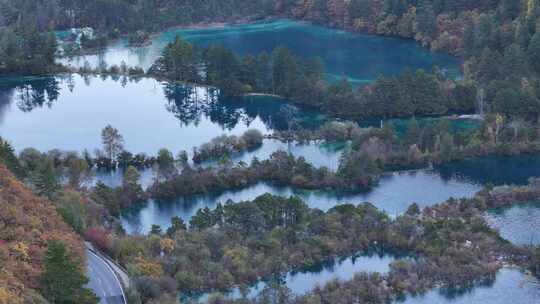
(103, 281)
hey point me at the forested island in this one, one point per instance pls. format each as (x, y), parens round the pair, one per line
(50, 204)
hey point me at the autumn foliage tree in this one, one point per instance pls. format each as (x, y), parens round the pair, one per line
(27, 224)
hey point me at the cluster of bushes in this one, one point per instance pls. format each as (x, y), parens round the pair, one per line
(114, 70)
(227, 145)
(50, 173)
(127, 16)
(117, 199)
(281, 169)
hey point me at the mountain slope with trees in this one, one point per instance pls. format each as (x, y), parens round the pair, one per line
(28, 225)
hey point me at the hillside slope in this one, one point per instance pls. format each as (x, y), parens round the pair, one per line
(26, 224)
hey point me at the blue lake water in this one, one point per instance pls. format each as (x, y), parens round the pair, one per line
(303, 281)
(69, 112)
(394, 193)
(361, 58)
(519, 224)
(510, 286)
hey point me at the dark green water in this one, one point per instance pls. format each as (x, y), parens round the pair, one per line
(401, 124)
(361, 58)
(495, 170)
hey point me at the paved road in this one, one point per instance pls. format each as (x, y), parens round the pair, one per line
(103, 281)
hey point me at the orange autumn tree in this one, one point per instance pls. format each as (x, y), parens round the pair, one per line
(27, 224)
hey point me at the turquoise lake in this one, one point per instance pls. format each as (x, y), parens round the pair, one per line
(361, 58)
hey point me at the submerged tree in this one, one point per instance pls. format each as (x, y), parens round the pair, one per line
(131, 189)
(113, 142)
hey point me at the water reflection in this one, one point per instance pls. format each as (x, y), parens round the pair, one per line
(495, 170)
(510, 286)
(303, 281)
(68, 112)
(519, 224)
(360, 58)
(395, 192)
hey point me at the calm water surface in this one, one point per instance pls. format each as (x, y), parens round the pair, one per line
(69, 112)
(318, 154)
(395, 192)
(359, 57)
(304, 281)
(495, 170)
(518, 224)
(510, 286)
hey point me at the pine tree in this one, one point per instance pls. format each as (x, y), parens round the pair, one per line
(113, 142)
(62, 281)
(8, 157)
(426, 19)
(177, 224)
(469, 40)
(46, 181)
(534, 51)
(131, 189)
(106, 196)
